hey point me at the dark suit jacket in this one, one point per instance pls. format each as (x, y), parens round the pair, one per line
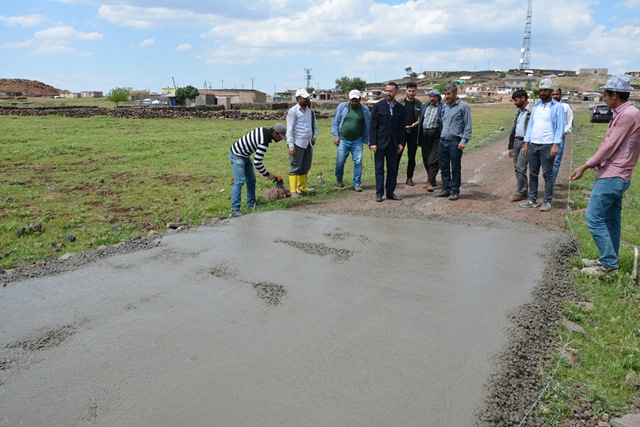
(387, 129)
(422, 110)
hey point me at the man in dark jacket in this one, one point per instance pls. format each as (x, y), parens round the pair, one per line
(429, 130)
(412, 106)
(386, 136)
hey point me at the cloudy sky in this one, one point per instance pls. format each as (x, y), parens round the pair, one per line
(267, 44)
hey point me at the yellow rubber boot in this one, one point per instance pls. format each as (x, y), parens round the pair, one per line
(293, 185)
(302, 183)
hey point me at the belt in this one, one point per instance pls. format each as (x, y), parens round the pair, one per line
(430, 129)
(454, 139)
(520, 138)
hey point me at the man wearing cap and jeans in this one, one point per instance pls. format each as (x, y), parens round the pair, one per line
(541, 144)
(429, 129)
(302, 131)
(257, 141)
(350, 129)
(615, 160)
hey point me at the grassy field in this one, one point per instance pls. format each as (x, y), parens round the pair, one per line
(104, 180)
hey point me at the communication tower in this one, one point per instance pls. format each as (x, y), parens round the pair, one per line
(309, 76)
(525, 49)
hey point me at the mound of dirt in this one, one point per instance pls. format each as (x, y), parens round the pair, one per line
(23, 87)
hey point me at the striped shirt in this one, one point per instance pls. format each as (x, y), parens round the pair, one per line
(431, 117)
(257, 141)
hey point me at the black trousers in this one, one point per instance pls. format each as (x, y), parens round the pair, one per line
(390, 155)
(429, 145)
(411, 147)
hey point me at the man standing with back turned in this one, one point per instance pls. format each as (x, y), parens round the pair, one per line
(456, 133)
(387, 136)
(615, 160)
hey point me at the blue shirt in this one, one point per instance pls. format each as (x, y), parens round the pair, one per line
(456, 121)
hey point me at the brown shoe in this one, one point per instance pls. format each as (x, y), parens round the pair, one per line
(429, 187)
(517, 197)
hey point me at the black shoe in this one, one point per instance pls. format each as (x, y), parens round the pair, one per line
(453, 196)
(394, 197)
(378, 198)
(443, 193)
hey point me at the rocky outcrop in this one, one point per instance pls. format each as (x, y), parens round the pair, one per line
(23, 87)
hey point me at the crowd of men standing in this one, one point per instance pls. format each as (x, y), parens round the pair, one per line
(442, 130)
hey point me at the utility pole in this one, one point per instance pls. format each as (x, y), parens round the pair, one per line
(252, 79)
(222, 81)
(525, 49)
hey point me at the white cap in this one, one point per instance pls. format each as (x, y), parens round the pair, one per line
(303, 93)
(355, 94)
(547, 84)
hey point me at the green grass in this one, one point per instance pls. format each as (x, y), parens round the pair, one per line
(608, 355)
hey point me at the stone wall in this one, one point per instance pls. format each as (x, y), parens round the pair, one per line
(206, 112)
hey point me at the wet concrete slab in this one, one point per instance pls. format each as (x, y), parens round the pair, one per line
(278, 318)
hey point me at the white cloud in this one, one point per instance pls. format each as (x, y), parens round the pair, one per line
(53, 47)
(66, 33)
(24, 21)
(184, 46)
(154, 17)
(16, 45)
(622, 43)
(629, 4)
(147, 43)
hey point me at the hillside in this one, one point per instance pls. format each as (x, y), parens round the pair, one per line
(23, 87)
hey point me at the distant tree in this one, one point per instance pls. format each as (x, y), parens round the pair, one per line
(440, 86)
(311, 89)
(187, 92)
(119, 94)
(346, 84)
(410, 73)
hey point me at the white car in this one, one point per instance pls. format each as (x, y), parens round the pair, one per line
(156, 102)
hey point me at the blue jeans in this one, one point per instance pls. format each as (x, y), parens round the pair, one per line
(355, 148)
(242, 168)
(558, 159)
(604, 217)
(450, 161)
(540, 156)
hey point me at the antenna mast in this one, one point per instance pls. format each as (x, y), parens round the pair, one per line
(309, 76)
(525, 50)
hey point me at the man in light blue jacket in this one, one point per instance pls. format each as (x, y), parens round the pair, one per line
(542, 142)
(350, 129)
